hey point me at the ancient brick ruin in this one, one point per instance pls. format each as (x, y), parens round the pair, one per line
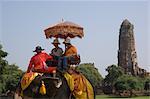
(127, 56)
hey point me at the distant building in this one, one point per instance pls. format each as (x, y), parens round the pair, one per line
(127, 56)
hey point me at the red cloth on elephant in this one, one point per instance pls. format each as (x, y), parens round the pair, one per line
(37, 63)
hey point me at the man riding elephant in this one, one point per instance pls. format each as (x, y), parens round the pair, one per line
(38, 62)
(57, 51)
(70, 52)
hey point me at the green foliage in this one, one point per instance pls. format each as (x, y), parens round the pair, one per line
(113, 73)
(128, 82)
(13, 77)
(9, 74)
(3, 62)
(118, 80)
(116, 97)
(147, 79)
(147, 83)
(91, 73)
(2, 53)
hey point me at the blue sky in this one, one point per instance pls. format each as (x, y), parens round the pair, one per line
(23, 23)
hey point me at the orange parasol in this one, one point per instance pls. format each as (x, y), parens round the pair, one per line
(64, 30)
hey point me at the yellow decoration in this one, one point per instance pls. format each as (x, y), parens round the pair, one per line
(43, 89)
(89, 89)
(27, 79)
(80, 86)
(70, 81)
(79, 92)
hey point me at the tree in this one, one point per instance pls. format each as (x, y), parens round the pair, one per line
(114, 72)
(14, 75)
(129, 83)
(9, 74)
(147, 84)
(3, 64)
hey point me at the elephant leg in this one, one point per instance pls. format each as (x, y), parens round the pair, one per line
(16, 96)
(18, 92)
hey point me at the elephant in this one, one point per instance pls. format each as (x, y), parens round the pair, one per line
(52, 92)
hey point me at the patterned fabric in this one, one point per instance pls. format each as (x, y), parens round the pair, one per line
(80, 86)
(27, 79)
(70, 81)
(64, 30)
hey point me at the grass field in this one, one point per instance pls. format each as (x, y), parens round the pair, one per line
(110, 97)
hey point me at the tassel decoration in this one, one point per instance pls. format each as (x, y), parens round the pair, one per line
(43, 89)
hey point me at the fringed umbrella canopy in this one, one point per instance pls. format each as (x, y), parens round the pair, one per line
(64, 30)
